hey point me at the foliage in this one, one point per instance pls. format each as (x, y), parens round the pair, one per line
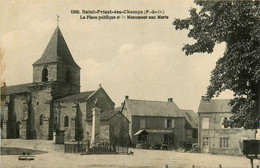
(237, 24)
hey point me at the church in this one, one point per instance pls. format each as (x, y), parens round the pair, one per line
(53, 101)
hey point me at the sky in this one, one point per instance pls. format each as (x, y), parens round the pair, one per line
(139, 58)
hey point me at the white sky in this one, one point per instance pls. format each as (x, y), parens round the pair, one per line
(139, 58)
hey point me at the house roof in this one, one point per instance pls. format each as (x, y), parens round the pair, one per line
(153, 108)
(191, 117)
(214, 105)
(107, 114)
(57, 51)
(7, 90)
(79, 96)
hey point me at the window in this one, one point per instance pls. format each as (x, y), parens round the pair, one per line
(205, 123)
(169, 123)
(142, 123)
(224, 142)
(205, 142)
(41, 119)
(66, 121)
(44, 75)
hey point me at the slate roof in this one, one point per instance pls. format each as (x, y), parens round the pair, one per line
(153, 108)
(7, 90)
(107, 114)
(191, 117)
(78, 97)
(214, 105)
(57, 51)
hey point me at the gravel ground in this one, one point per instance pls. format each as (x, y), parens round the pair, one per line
(55, 157)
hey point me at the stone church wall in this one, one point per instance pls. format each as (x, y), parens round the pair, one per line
(40, 105)
(76, 112)
(104, 102)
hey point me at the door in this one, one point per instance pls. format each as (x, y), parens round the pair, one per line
(205, 145)
(169, 140)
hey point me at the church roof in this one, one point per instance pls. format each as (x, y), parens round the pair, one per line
(7, 90)
(80, 96)
(57, 51)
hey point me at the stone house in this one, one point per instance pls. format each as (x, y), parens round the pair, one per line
(191, 126)
(214, 137)
(53, 100)
(155, 122)
(114, 127)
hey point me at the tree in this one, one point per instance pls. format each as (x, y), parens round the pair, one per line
(237, 24)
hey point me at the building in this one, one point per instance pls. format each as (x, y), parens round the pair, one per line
(113, 127)
(53, 100)
(155, 122)
(191, 126)
(214, 137)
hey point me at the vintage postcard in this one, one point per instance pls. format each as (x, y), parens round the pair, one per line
(89, 83)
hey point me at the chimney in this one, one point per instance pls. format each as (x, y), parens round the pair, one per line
(205, 98)
(126, 97)
(169, 99)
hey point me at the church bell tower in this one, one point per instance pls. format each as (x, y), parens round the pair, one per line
(57, 65)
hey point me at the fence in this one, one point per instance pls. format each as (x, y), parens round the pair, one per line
(104, 148)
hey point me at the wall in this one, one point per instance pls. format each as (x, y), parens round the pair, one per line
(158, 123)
(104, 102)
(215, 132)
(57, 73)
(119, 130)
(40, 105)
(76, 113)
(104, 130)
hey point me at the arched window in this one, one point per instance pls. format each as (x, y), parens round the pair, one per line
(66, 121)
(41, 119)
(44, 75)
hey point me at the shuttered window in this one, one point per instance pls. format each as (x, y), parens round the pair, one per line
(205, 123)
(169, 123)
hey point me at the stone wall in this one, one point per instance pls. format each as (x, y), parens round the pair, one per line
(217, 131)
(104, 102)
(76, 112)
(57, 72)
(119, 129)
(40, 105)
(104, 130)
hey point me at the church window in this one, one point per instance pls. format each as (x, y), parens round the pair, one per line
(66, 121)
(44, 75)
(41, 119)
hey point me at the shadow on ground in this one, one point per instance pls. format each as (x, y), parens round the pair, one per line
(20, 151)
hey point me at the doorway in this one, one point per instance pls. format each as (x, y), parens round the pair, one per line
(205, 145)
(169, 140)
